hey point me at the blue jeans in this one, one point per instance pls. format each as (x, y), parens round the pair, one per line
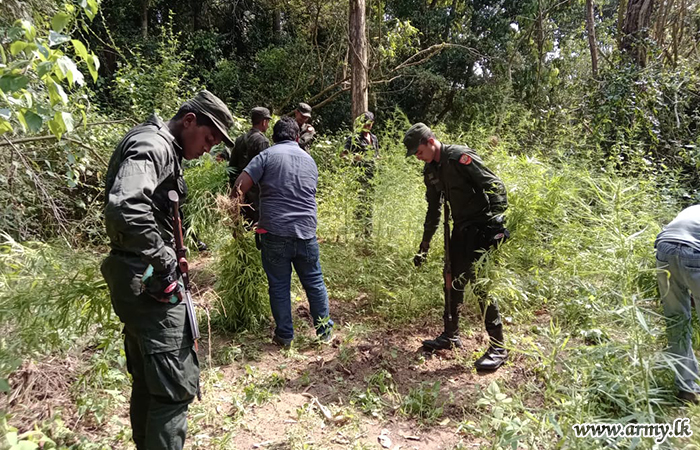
(278, 255)
(678, 275)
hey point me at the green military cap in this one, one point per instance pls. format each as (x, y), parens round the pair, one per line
(414, 136)
(211, 106)
(260, 113)
(304, 109)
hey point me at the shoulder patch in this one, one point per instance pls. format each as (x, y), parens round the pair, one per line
(465, 159)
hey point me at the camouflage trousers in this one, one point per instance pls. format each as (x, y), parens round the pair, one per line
(160, 357)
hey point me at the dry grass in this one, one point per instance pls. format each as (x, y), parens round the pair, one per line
(39, 389)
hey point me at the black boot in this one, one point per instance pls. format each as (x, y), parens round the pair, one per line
(449, 338)
(688, 398)
(496, 354)
(442, 342)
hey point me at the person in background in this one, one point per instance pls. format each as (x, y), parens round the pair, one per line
(363, 148)
(307, 133)
(247, 147)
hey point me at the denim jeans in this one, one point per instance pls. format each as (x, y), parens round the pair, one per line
(278, 255)
(678, 275)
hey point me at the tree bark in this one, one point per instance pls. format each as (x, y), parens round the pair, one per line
(358, 57)
(277, 23)
(590, 27)
(144, 18)
(621, 11)
(540, 43)
(449, 22)
(635, 30)
(197, 6)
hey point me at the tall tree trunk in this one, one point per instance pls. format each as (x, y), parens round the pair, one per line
(144, 18)
(678, 29)
(621, 12)
(277, 22)
(590, 27)
(358, 57)
(634, 30)
(540, 43)
(448, 23)
(197, 6)
(662, 12)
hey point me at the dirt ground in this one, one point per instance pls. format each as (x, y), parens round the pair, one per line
(351, 393)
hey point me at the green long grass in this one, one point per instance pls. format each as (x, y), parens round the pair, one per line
(576, 284)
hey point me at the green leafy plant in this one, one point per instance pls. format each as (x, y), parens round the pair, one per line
(423, 402)
(241, 286)
(31, 440)
(36, 66)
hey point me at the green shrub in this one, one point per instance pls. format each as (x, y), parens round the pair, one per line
(50, 295)
(241, 286)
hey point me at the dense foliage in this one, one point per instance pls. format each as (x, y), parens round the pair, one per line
(596, 159)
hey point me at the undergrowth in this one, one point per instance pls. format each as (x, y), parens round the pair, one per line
(575, 283)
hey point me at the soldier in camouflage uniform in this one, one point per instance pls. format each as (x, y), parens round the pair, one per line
(247, 147)
(145, 166)
(306, 132)
(364, 147)
(477, 198)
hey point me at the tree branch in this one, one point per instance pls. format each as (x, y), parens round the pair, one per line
(60, 219)
(331, 98)
(320, 94)
(430, 52)
(111, 122)
(52, 137)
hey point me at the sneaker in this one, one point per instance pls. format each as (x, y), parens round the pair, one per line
(689, 398)
(325, 338)
(492, 359)
(442, 342)
(284, 343)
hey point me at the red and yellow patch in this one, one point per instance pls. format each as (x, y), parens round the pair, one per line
(465, 159)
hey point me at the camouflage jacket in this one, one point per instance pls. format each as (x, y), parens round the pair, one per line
(144, 167)
(475, 194)
(245, 148)
(307, 133)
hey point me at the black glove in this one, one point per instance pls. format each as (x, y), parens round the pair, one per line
(163, 286)
(496, 231)
(422, 254)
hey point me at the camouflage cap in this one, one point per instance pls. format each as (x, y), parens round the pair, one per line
(304, 109)
(414, 136)
(367, 117)
(259, 112)
(211, 106)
